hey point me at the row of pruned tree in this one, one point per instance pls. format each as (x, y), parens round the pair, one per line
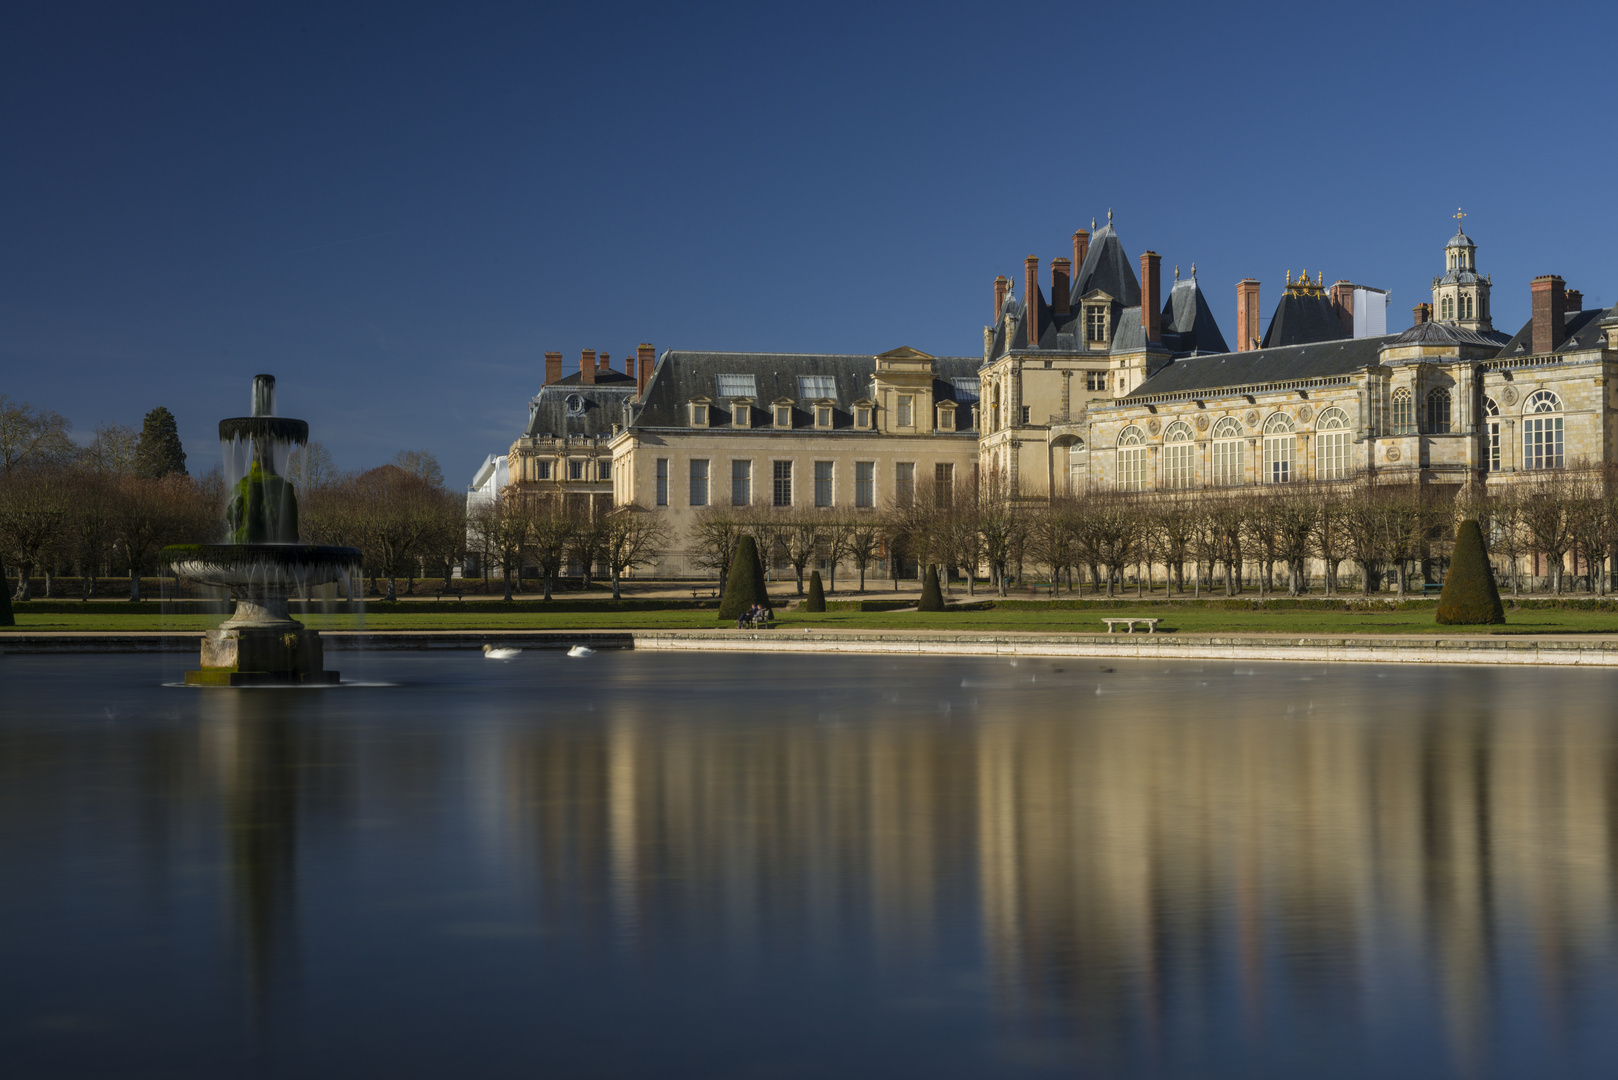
(550, 532)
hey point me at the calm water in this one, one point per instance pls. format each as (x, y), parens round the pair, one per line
(738, 866)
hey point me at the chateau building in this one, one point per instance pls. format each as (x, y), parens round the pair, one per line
(1103, 382)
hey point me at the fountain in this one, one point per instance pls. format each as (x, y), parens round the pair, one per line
(263, 563)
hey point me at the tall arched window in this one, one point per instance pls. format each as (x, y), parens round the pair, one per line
(1331, 445)
(1178, 467)
(1131, 459)
(1227, 453)
(1491, 423)
(1446, 308)
(1280, 445)
(1438, 411)
(1404, 412)
(1542, 431)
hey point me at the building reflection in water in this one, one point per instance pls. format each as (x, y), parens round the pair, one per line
(1150, 857)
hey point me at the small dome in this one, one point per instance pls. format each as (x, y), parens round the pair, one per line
(1460, 240)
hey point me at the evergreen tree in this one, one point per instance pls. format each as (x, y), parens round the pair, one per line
(6, 617)
(932, 598)
(1470, 597)
(159, 452)
(744, 584)
(817, 595)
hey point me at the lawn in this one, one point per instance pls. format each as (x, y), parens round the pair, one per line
(1187, 618)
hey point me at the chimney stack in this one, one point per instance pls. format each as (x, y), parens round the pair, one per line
(553, 367)
(1151, 296)
(1550, 307)
(1081, 249)
(647, 356)
(629, 365)
(605, 364)
(1061, 285)
(1342, 302)
(1572, 300)
(1030, 300)
(587, 366)
(1002, 285)
(1422, 313)
(1247, 315)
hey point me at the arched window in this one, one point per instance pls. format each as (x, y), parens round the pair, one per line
(1178, 464)
(1542, 431)
(1331, 444)
(1280, 445)
(1404, 413)
(1491, 413)
(1446, 308)
(1438, 411)
(1227, 453)
(1131, 459)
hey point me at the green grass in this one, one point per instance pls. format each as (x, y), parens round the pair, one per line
(1187, 619)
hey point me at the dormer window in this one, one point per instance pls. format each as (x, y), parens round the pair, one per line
(946, 416)
(823, 415)
(741, 413)
(699, 412)
(862, 415)
(902, 417)
(1096, 318)
(783, 414)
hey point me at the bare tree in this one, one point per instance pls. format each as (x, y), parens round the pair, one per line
(634, 537)
(715, 531)
(864, 540)
(1544, 513)
(420, 464)
(311, 468)
(33, 437)
(34, 514)
(112, 452)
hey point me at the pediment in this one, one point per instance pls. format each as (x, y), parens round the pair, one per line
(904, 352)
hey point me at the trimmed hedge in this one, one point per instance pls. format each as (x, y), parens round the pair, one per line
(817, 594)
(1470, 597)
(932, 598)
(867, 605)
(744, 584)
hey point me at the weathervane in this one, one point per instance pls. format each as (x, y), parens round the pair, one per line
(1458, 215)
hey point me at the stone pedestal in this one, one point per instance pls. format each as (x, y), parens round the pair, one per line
(256, 648)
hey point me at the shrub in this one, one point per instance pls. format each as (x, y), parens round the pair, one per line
(817, 595)
(1470, 597)
(932, 598)
(744, 584)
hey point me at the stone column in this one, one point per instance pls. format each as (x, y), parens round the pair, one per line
(1508, 445)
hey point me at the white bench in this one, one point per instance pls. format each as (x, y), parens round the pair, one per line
(1151, 624)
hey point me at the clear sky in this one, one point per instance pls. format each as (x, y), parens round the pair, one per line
(397, 210)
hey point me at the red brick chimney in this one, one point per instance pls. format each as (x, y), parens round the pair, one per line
(1030, 299)
(1422, 313)
(1151, 296)
(1002, 285)
(1061, 285)
(605, 364)
(629, 365)
(1550, 305)
(1572, 300)
(553, 367)
(1081, 248)
(1247, 315)
(647, 356)
(1342, 302)
(587, 366)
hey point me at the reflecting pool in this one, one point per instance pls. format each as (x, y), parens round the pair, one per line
(645, 864)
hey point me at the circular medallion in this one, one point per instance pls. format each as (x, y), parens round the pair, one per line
(1252, 418)
(1202, 423)
(1393, 453)
(1509, 395)
(1153, 426)
(1305, 415)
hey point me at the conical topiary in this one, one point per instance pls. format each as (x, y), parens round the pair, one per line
(932, 598)
(1470, 597)
(744, 584)
(6, 617)
(817, 595)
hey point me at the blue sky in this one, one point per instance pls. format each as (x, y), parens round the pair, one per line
(397, 210)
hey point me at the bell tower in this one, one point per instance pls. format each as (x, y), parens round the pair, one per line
(1460, 296)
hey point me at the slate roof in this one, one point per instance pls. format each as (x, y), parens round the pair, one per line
(1438, 333)
(1302, 318)
(1188, 323)
(1312, 361)
(599, 406)
(1583, 332)
(1460, 240)
(682, 376)
(1106, 267)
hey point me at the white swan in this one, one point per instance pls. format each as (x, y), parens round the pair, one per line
(581, 650)
(492, 653)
